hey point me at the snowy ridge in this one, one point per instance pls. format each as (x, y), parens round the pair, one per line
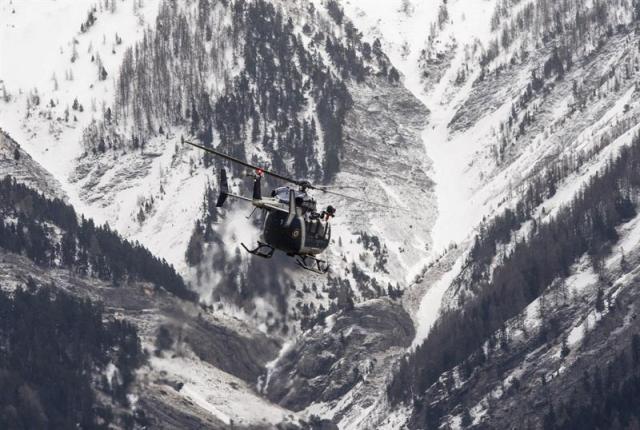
(48, 73)
(452, 145)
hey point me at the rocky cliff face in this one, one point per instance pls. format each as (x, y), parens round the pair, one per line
(350, 353)
(386, 158)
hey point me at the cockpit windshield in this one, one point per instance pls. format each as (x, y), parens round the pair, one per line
(282, 194)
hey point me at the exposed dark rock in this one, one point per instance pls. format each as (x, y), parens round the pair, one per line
(166, 410)
(329, 361)
(244, 357)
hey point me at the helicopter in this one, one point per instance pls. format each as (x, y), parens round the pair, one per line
(293, 224)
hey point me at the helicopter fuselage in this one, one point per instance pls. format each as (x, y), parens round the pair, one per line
(298, 236)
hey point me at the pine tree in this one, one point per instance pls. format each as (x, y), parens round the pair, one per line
(195, 251)
(600, 300)
(565, 350)
(68, 249)
(443, 14)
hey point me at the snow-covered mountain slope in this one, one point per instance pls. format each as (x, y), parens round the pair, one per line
(183, 386)
(471, 179)
(520, 124)
(197, 367)
(502, 115)
(18, 164)
(48, 63)
(167, 183)
(544, 358)
(406, 30)
(409, 32)
(155, 193)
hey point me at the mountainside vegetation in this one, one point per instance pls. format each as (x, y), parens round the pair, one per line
(278, 90)
(606, 398)
(575, 28)
(54, 354)
(586, 225)
(527, 110)
(49, 233)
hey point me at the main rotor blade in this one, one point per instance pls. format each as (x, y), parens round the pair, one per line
(306, 184)
(325, 190)
(244, 163)
(338, 187)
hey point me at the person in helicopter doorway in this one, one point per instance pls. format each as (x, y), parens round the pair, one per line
(317, 223)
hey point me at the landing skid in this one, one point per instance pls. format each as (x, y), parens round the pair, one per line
(312, 263)
(262, 250)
